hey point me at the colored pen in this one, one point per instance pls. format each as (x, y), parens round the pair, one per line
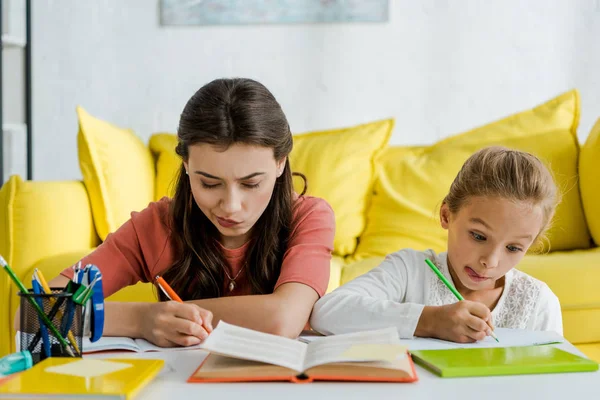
(452, 289)
(36, 307)
(37, 289)
(46, 288)
(167, 290)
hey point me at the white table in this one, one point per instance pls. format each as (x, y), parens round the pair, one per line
(179, 365)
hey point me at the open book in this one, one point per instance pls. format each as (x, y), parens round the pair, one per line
(118, 343)
(240, 354)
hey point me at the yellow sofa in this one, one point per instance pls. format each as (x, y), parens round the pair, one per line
(385, 198)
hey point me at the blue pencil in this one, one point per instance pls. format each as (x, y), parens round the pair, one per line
(37, 289)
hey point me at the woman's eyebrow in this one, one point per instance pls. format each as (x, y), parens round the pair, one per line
(252, 175)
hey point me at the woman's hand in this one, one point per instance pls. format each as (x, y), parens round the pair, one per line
(170, 324)
(463, 322)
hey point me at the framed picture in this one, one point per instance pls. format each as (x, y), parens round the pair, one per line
(241, 12)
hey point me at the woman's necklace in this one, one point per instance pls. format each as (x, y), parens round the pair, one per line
(232, 280)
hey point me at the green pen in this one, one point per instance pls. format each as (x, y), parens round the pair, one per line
(452, 288)
(36, 306)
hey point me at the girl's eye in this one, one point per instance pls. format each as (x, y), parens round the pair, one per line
(477, 236)
(251, 185)
(513, 249)
(207, 186)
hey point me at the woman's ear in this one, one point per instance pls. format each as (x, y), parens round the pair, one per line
(281, 166)
(185, 165)
(445, 216)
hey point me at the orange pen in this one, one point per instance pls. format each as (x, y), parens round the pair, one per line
(167, 290)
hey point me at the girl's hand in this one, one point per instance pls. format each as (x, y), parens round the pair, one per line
(463, 322)
(170, 324)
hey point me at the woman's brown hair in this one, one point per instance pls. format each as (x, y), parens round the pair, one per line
(222, 113)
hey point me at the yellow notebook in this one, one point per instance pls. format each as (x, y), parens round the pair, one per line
(64, 378)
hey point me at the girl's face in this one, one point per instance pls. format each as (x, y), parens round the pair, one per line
(233, 187)
(488, 237)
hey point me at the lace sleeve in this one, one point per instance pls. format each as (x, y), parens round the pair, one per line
(548, 315)
(371, 301)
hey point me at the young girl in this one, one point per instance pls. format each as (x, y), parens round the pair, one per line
(235, 242)
(500, 203)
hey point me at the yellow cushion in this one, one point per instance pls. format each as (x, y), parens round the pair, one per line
(335, 272)
(339, 167)
(582, 326)
(338, 164)
(162, 146)
(589, 180)
(591, 350)
(354, 269)
(31, 214)
(117, 169)
(412, 184)
(572, 275)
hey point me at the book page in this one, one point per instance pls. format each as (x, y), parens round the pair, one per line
(247, 344)
(109, 343)
(336, 348)
(507, 338)
(145, 345)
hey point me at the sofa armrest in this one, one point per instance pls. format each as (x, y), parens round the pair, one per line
(40, 220)
(573, 276)
(43, 219)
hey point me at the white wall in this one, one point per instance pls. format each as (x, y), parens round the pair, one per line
(438, 67)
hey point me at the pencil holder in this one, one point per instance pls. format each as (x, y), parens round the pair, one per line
(63, 338)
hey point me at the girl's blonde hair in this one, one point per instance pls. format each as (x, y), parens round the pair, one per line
(511, 174)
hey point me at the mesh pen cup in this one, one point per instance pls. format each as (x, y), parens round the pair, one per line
(66, 318)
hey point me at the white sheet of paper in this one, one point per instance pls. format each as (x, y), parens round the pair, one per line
(144, 346)
(507, 338)
(88, 368)
(117, 343)
(109, 343)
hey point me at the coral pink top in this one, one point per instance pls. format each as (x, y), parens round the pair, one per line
(142, 248)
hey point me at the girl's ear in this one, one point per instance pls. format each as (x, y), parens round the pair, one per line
(445, 216)
(281, 166)
(185, 165)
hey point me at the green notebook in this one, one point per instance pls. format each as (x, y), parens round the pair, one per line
(501, 361)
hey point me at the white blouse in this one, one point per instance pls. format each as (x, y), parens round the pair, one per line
(395, 292)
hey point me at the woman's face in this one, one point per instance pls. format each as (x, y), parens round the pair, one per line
(233, 187)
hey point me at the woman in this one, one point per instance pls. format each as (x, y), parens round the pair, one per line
(235, 242)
